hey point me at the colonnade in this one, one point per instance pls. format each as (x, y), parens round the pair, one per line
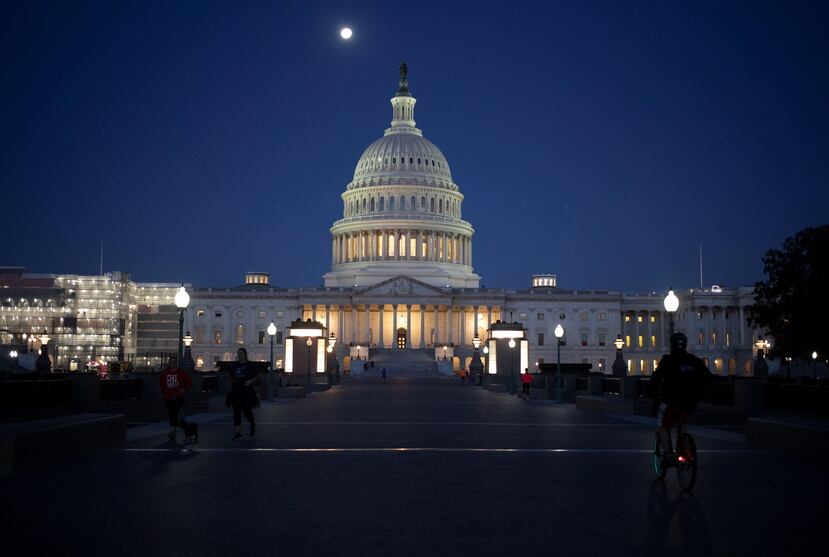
(422, 325)
(402, 244)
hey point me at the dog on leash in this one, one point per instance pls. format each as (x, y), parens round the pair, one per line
(191, 433)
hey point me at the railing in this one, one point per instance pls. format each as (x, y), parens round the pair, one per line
(120, 389)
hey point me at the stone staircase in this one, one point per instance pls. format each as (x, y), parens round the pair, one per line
(411, 363)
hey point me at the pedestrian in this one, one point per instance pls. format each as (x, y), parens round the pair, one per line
(372, 364)
(526, 383)
(383, 372)
(174, 383)
(463, 377)
(242, 397)
(365, 366)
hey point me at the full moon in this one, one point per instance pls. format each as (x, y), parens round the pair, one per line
(345, 33)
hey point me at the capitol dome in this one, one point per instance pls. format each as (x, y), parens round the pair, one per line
(402, 211)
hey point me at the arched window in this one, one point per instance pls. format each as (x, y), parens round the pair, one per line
(411, 160)
(240, 334)
(394, 160)
(391, 203)
(440, 206)
(371, 205)
(402, 203)
(413, 204)
(364, 204)
(433, 204)
(418, 160)
(382, 204)
(422, 203)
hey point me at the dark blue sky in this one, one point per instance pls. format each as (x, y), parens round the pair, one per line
(600, 141)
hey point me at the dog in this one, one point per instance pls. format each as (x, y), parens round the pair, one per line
(191, 433)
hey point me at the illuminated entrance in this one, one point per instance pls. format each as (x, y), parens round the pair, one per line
(401, 338)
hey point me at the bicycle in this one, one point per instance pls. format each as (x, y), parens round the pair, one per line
(686, 459)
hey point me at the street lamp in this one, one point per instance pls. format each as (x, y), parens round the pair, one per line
(13, 356)
(271, 333)
(308, 343)
(332, 340)
(182, 300)
(814, 364)
(444, 352)
(559, 332)
(358, 352)
(511, 344)
(476, 366)
(619, 363)
(671, 305)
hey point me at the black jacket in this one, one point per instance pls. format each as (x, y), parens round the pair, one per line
(679, 380)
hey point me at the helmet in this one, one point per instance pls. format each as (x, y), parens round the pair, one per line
(679, 342)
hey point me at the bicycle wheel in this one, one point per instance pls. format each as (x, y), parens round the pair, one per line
(687, 462)
(658, 450)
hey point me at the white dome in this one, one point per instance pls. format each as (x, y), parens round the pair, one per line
(402, 158)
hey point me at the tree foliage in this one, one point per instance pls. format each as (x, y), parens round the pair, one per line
(791, 305)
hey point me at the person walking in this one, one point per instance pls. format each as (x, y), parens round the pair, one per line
(383, 372)
(463, 377)
(242, 397)
(526, 383)
(174, 383)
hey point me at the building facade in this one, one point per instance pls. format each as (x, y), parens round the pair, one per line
(401, 281)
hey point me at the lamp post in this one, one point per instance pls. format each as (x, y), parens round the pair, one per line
(187, 363)
(13, 356)
(511, 366)
(814, 364)
(182, 300)
(559, 332)
(444, 352)
(788, 367)
(308, 343)
(43, 363)
(358, 352)
(271, 333)
(761, 367)
(671, 305)
(619, 368)
(333, 364)
(476, 367)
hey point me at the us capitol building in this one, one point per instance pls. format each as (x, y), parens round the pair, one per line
(401, 287)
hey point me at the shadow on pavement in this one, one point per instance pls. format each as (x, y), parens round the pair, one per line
(676, 525)
(161, 461)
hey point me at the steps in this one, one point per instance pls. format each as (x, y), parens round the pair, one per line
(411, 363)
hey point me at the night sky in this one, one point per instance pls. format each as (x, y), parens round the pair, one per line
(602, 142)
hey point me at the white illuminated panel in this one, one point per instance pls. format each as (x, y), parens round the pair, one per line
(321, 356)
(507, 334)
(492, 359)
(313, 333)
(289, 355)
(524, 355)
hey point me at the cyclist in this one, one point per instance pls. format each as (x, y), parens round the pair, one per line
(676, 387)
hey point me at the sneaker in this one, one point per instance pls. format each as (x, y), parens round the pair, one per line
(252, 430)
(237, 436)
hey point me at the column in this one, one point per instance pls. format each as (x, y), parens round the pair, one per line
(708, 324)
(635, 341)
(462, 317)
(381, 309)
(741, 317)
(721, 334)
(354, 323)
(368, 325)
(341, 323)
(470, 252)
(475, 332)
(488, 317)
(395, 308)
(408, 326)
(420, 245)
(422, 325)
(648, 340)
(437, 326)
(397, 257)
(449, 311)
(327, 317)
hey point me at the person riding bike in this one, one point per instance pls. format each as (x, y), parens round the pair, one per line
(676, 388)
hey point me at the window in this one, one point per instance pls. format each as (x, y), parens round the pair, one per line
(641, 341)
(541, 339)
(402, 203)
(601, 316)
(413, 204)
(371, 205)
(714, 337)
(643, 366)
(199, 336)
(584, 339)
(432, 203)
(440, 205)
(261, 314)
(602, 339)
(418, 160)
(655, 365)
(627, 341)
(627, 318)
(583, 316)
(728, 338)
(423, 203)
(280, 314)
(630, 366)
(261, 337)
(718, 366)
(639, 318)
(364, 205)
(217, 336)
(200, 313)
(240, 334)
(732, 366)
(279, 337)
(540, 316)
(394, 160)
(382, 204)
(653, 341)
(218, 314)
(411, 160)
(701, 337)
(653, 319)
(391, 204)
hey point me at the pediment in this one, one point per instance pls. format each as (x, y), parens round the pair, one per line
(401, 286)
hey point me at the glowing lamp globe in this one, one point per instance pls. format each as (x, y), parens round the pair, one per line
(619, 342)
(671, 302)
(272, 329)
(559, 331)
(182, 298)
(512, 343)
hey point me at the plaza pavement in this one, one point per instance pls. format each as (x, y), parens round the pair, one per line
(417, 466)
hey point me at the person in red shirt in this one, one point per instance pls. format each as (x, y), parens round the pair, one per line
(526, 383)
(174, 383)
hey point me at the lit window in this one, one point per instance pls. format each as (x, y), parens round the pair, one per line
(653, 319)
(261, 315)
(630, 366)
(200, 313)
(627, 341)
(601, 364)
(584, 339)
(643, 366)
(240, 334)
(653, 341)
(627, 318)
(655, 365)
(641, 342)
(714, 337)
(217, 337)
(727, 338)
(701, 337)
(261, 337)
(601, 316)
(639, 318)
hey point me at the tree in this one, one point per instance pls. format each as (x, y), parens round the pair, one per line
(792, 305)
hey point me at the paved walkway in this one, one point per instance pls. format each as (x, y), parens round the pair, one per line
(413, 467)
